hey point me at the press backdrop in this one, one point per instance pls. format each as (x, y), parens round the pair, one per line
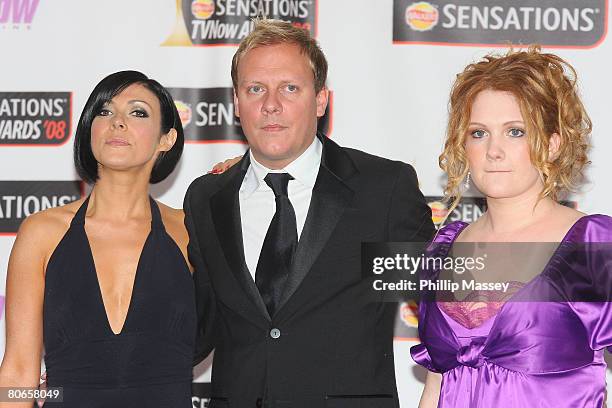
(391, 66)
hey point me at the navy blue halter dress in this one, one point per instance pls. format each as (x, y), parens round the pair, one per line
(148, 364)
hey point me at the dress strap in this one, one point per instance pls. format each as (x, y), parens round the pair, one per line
(156, 219)
(79, 217)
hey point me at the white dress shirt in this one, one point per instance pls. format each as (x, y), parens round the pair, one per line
(257, 203)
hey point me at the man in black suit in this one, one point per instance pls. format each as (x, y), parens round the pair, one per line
(275, 242)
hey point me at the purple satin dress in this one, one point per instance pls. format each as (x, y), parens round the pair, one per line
(530, 354)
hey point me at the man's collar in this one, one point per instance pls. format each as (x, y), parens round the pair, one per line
(304, 169)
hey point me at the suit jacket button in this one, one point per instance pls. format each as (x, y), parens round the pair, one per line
(275, 333)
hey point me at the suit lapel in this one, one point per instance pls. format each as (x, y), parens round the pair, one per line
(225, 211)
(330, 196)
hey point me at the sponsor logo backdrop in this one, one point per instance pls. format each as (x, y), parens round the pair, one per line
(35, 118)
(18, 199)
(391, 66)
(560, 23)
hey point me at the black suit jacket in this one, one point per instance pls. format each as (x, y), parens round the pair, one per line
(328, 345)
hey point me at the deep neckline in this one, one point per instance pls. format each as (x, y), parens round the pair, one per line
(494, 318)
(155, 220)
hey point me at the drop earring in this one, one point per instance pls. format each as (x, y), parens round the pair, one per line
(466, 183)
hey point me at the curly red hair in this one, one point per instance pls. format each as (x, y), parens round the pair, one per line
(545, 87)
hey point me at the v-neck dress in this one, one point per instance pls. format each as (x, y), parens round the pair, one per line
(545, 354)
(149, 363)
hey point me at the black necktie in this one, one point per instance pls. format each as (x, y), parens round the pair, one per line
(279, 245)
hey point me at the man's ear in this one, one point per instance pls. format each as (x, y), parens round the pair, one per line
(322, 100)
(553, 147)
(236, 107)
(167, 141)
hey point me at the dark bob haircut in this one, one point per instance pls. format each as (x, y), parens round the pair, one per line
(104, 92)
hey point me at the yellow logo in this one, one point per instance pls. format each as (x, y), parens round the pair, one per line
(438, 211)
(202, 9)
(421, 16)
(409, 312)
(184, 111)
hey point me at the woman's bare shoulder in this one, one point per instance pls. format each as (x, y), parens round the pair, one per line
(567, 214)
(562, 219)
(51, 220)
(172, 217)
(40, 232)
(174, 223)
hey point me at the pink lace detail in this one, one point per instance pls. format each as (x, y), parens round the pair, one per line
(478, 306)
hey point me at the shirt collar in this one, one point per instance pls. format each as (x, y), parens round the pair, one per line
(304, 169)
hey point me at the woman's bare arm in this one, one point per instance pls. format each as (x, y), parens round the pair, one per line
(431, 393)
(24, 305)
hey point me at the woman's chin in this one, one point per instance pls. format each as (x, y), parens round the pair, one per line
(499, 192)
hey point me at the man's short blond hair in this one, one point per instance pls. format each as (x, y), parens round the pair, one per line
(273, 32)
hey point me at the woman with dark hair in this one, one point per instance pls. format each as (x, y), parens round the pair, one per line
(104, 282)
(519, 132)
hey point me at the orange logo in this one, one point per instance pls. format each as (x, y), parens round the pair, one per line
(421, 16)
(409, 312)
(184, 111)
(202, 9)
(438, 211)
